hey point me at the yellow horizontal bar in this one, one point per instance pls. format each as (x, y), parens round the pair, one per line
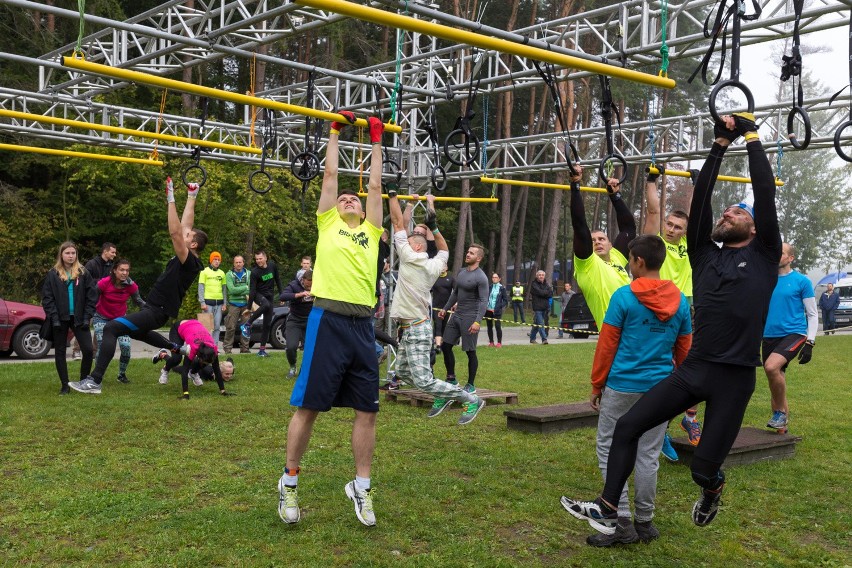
(466, 37)
(182, 86)
(440, 198)
(539, 184)
(126, 131)
(735, 179)
(73, 154)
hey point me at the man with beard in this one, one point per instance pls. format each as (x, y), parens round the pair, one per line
(732, 287)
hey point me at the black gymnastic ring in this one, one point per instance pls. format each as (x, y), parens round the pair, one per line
(837, 147)
(792, 135)
(394, 170)
(617, 158)
(191, 167)
(305, 166)
(438, 178)
(268, 182)
(467, 140)
(730, 83)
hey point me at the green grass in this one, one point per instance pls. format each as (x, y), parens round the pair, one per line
(137, 477)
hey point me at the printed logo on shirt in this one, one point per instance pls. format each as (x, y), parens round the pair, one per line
(742, 265)
(358, 238)
(655, 325)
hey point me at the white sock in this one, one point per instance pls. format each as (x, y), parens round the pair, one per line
(362, 483)
(291, 480)
(689, 418)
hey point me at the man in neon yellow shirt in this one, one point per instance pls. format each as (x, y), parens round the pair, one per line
(600, 266)
(339, 367)
(212, 293)
(676, 268)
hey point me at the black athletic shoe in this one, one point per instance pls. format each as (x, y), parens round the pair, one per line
(705, 509)
(624, 533)
(591, 511)
(65, 390)
(646, 531)
(122, 378)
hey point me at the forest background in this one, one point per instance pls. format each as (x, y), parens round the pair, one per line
(46, 200)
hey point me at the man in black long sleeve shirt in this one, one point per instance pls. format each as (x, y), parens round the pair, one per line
(262, 282)
(298, 294)
(732, 288)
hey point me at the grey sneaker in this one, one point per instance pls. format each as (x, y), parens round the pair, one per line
(469, 388)
(292, 373)
(196, 379)
(87, 386)
(440, 405)
(646, 531)
(778, 420)
(625, 533)
(705, 509)
(164, 377)
(591, 511)
(161, 355)
(288, 503)
(471, 411)
(363, 503)
(76, 355)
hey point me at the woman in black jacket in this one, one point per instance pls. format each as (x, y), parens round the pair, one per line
(69, 296)
(498, 299)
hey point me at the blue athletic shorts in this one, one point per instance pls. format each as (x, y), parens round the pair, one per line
(339, 367)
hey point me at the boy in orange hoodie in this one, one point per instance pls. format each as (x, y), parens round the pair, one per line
(647, 324)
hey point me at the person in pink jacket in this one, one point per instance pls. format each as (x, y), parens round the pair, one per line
(198, 350)
(114, 291)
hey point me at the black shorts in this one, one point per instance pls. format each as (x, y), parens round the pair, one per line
(339, 367)
(457, 329)
(787, 346)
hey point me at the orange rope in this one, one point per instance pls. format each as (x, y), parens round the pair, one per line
(154, 153)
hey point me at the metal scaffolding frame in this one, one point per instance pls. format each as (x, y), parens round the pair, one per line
(171, 37)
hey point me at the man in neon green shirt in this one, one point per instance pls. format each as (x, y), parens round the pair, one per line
(600, 266)
(676, 268)
(212, 293)
(339, 367)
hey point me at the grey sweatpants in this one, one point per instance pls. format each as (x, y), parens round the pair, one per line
(614, 404)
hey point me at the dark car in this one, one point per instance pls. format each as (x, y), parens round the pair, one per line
(578, 318)
(276, 333)
(19, 325)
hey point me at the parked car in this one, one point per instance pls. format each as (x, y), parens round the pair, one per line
(276, 333)
(19, 325)
(577, 316)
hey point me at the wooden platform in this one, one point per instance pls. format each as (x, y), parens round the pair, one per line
(751, 446)
(417, 397)
(554, 418)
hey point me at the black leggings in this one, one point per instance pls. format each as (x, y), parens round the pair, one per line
(489, 316)
(84, 338)
(140, 325)
(727, 390)
(264, 308)
(294, 333)
(450, 362)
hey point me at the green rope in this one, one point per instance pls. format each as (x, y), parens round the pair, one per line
(397, 85)
(664, 48)
(81, 4)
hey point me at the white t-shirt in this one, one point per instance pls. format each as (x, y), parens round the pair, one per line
(412, 299)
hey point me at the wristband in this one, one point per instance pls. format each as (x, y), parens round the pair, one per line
(334, 131)
(751, 136)
(435, 231)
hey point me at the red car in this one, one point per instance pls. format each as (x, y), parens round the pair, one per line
(19, 325)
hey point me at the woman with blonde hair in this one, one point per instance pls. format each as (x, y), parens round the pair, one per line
(69, 297)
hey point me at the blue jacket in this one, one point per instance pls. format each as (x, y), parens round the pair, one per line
(829, 302)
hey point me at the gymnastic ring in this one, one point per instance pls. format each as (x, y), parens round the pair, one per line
(393, 169)
(730, 83)
(305, 166)
(792, 135)
(439, 178)
(268, 182)
(617, 158)
(191, 167)
(837, 146)
(467, 139)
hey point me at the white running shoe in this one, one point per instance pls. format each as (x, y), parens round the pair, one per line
(363, 503)
(164, 377)
(288, 503)
(196, 379)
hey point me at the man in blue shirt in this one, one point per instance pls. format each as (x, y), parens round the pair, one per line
(790, 330)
